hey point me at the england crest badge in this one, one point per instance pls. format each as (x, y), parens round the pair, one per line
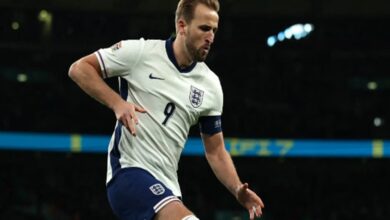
(157, 189)
(196, 97)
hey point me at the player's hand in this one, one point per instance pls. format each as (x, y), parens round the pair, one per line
(125, 113)
(250, 201)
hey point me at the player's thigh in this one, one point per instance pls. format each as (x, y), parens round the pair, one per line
(134, 194)
(174, 210)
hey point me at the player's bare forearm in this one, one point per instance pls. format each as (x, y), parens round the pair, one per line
(223, 167)
(86, 73)
(220, 162)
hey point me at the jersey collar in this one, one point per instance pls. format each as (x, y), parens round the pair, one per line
(171, 55)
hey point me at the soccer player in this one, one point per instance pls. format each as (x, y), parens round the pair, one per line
(165, 88)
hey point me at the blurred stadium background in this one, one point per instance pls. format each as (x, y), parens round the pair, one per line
(307, 120)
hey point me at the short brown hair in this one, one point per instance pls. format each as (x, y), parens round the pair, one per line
(186, 8)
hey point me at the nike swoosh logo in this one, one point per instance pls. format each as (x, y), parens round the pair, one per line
(154, 77)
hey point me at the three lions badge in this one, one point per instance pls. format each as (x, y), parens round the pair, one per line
(196, 97)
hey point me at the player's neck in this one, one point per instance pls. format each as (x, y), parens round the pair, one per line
(182, 57)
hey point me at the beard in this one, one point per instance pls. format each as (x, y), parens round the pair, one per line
(197, 54)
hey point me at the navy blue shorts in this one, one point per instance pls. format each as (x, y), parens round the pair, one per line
(134, 194)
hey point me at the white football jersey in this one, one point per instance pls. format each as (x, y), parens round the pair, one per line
(174, 99)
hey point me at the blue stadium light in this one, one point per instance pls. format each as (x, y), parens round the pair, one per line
(281, 36)
(271, 41)
(298, 31)
(308, 28)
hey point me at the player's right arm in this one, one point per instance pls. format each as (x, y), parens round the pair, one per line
(87, 74)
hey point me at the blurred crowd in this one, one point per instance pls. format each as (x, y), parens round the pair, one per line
(61, 186)
(334, 84)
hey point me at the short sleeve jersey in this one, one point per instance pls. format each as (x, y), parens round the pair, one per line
(174, 98)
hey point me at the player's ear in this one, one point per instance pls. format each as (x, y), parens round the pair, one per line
(181, 26)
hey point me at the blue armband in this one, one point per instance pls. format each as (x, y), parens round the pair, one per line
(210, 124)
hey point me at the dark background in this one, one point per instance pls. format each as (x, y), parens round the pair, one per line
(315, 88)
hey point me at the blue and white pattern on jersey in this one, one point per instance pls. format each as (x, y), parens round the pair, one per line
(115, 153)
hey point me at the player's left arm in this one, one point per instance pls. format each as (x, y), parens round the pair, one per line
(223, 167)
